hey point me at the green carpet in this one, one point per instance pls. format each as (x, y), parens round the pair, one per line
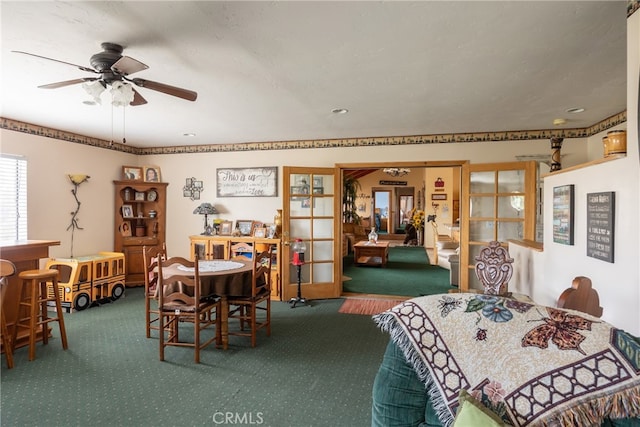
(408, 273)
(316, 369)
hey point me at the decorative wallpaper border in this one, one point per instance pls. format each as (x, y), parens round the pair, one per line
(523, 135)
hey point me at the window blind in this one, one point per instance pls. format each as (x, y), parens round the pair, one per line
(13, 198)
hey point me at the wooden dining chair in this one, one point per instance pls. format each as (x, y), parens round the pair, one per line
(180, 303)
(7, 268)
(241, 250)
(581, 296)
(246, 308)
(151, 255)
(494, 268)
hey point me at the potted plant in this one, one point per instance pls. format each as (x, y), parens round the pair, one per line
(351, 186)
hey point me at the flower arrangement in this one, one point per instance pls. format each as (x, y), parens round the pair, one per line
(417, 219)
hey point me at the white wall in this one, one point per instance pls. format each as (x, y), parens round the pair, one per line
(618, 283)
(49, 197)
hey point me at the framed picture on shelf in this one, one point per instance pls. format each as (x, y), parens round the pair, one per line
(260, 232)
(245, 226)
(318, 190)
(125, 229)
(139, 196)
(271, 231)
(127, 211)
(226, 228)
(132, 173)
(151, 174)
(254, 225)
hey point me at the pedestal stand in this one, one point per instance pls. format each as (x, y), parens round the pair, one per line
(298, 300)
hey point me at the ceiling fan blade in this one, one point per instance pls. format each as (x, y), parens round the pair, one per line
(68, 83)
(189, 95)
(137, 99)
(127, 65)
(83, 68)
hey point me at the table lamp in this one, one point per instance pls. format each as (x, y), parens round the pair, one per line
(206, 209)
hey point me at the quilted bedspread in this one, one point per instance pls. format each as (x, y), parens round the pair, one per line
(532, 365)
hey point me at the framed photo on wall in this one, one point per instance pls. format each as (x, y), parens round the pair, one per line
(563, 211)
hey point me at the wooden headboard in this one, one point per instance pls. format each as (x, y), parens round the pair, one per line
(582, 297)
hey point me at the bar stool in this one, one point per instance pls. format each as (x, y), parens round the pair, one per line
(37, 281)
(7, 268)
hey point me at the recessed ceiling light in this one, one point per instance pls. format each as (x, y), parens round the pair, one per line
(575, 110)
(189, 134)
(339, 111)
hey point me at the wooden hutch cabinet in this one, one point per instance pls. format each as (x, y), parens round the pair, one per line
(140, 219)
(219, 247)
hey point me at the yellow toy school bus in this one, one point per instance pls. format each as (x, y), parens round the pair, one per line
(91, 278)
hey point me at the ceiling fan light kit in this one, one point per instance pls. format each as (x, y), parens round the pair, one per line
(114, 68)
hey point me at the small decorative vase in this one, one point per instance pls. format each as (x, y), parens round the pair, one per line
(373, 236)
(277, 220)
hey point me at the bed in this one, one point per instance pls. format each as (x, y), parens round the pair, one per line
(473, 359)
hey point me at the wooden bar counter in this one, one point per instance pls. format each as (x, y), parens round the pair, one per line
(26, 255)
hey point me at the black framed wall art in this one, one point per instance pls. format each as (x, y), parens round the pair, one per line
(563, 212)
(601, 225)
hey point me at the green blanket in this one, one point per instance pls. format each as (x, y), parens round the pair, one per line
(530, 364)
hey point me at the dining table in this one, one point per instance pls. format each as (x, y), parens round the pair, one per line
(222, 278)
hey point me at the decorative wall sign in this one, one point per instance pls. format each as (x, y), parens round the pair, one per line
(438, 197)
(563, 214)
(382, 182)
(247, 182)
(600, 225)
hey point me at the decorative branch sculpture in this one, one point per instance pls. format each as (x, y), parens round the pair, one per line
(76, 180)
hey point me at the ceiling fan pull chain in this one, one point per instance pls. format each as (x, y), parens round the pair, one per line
(124, 140)
(111, 124)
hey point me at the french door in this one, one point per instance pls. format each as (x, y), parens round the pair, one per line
(498, 203)
(312, 212)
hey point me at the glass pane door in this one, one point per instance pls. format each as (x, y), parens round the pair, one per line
(310, 212)
(499, 201)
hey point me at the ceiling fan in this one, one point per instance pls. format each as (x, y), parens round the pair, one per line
(114, 68)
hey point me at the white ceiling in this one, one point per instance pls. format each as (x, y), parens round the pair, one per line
(273, 71)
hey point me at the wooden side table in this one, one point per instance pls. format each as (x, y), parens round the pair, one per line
(371, 253)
